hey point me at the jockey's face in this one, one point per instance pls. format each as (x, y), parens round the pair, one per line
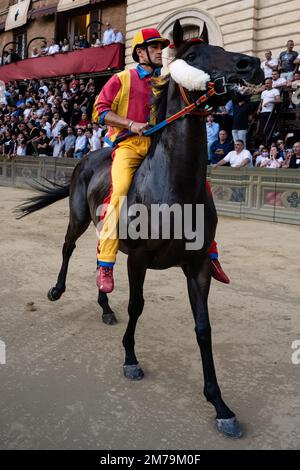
(155, 53)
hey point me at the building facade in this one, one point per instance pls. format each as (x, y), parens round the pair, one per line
(248, 26)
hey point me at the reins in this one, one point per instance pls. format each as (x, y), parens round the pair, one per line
(191, 108)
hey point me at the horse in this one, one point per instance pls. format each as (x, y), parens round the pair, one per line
(173, 172)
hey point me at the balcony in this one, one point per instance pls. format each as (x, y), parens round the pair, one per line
(86, 61)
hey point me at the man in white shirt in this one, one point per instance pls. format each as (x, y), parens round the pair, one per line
(119, 38)
(109, 35)
(277, 81)
(43, 87)
(94, 141)
(269, 97)
(35, 52)
(80, 144)
(53, 48)
(269, 64)
(237, 158)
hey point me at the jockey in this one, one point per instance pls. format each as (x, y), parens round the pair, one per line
(123, 105)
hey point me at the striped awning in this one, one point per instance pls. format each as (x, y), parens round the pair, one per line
(43, 11)
(65, 5)
(17, 15)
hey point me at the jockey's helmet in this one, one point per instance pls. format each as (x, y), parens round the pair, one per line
(145, 37)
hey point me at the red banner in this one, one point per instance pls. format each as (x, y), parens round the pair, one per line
(94, 59)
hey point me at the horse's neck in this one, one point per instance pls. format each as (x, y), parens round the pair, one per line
(181, 154)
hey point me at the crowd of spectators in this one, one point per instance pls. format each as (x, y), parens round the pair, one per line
(54, 117)
(227, 129)
(49, 118)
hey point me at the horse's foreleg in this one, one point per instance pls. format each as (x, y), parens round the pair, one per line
(75, 230)
(108, 316)
(198, 288)
(136, 275)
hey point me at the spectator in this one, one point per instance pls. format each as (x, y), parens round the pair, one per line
(76, 115)
(81, 144)
(286, 163)
(35, 52)
(21, 149)
(69, 143)
(109, 35)
(83, 43)
(53, 48)
(119, 38)
(272, 161)
(269, 64)
(295, 158)
(76, 43)
(237, 158)
(97, 131)
(220, 148)
(93, 141)
(5, 58)
(269, 97)
(44, 48)
(277, 81)
(84, 122)
(43, 147)
(241, 112)
(34, 134)
(261, 157)
(45, 124)
(43, 86)
(14, 56)
(95, 42)
(57, 143)
(58, 124)
(286, 60)
(212, 131)
(65, 45)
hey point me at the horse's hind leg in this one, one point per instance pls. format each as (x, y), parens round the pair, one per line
(108, 315)
(136, 274)
(198, 282)
(76, 228)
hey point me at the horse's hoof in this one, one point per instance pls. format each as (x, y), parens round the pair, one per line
(109, 319)
(133, 372)
(54, 294)
(230, 427)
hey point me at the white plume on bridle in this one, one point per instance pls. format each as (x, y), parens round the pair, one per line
(187, 76)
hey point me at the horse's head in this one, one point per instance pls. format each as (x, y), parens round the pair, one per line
(196, 63)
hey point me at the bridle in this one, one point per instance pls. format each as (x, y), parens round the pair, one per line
(195, 108)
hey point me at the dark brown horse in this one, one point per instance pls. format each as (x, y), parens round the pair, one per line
(174, 172)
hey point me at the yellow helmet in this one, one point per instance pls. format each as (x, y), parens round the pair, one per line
(147, 36)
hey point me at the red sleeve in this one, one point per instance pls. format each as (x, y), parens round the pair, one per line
(108, 95)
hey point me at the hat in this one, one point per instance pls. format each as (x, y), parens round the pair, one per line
(144, 37)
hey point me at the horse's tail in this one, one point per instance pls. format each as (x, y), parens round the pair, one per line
(49, 195)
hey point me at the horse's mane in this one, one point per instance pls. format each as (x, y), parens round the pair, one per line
(159, 107)
(161, 95)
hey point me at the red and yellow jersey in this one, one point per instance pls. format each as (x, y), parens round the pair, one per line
(128, 94)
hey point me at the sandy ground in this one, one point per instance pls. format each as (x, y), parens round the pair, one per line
(62, 386)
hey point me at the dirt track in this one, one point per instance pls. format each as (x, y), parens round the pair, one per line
(62, 386)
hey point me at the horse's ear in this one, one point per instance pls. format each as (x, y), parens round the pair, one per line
(177, 34)
(204, 34)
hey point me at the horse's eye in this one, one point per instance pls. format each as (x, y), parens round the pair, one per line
(191, 57)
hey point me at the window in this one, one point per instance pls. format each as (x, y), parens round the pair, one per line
(20, 37)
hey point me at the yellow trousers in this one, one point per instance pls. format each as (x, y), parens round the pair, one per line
(127, 158)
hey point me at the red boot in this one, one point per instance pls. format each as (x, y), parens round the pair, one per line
(217, 272)
(105, 279)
